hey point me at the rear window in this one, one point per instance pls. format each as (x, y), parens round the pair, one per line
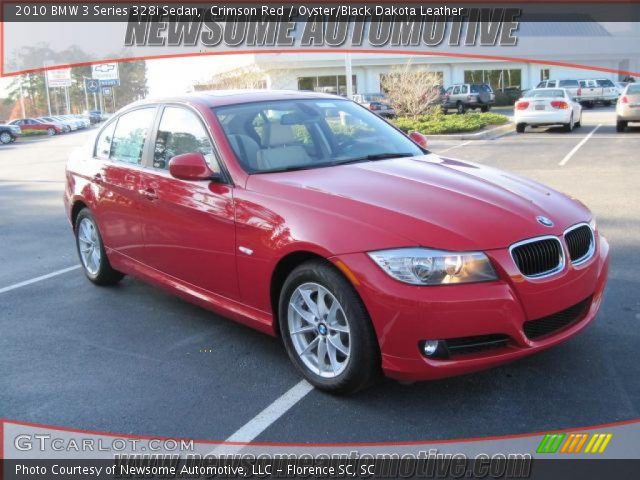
(480, 88)
(569, 83)
(546, 93)
(605, 83)
(634, 89)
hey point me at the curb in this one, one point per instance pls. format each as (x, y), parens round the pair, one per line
(490, 134)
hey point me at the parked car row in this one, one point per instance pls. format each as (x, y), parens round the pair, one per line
(589, 91)
(543, 107)
(461, 97)
(53, 125)
(49, 125)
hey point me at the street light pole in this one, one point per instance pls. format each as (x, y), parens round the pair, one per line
(86, 94)
(46, 87)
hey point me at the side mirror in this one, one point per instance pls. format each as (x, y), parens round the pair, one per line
(191, 166)
(419, 139)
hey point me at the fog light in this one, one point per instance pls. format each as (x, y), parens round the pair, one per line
(430, 347)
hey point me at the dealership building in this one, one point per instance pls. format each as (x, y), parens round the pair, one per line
(611, 46)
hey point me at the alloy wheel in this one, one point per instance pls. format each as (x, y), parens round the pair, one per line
(89, 245)
(5, 138)
(319, 330)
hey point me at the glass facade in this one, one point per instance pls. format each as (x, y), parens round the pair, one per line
(335, 84)
(498, 79)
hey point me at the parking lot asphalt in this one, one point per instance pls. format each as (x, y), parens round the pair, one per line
(132, 359)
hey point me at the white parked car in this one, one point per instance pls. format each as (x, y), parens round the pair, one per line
(544, 107)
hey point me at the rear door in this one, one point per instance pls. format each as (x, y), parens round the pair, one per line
(119, 150)
(189, 227)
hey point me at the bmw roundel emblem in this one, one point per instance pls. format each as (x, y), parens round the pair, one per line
(544, 221)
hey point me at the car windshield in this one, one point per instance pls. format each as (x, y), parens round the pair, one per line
(605, 83)
(309, 133)
(633, 89)
(546, 93)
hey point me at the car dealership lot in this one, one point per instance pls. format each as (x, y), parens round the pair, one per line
(133, 359)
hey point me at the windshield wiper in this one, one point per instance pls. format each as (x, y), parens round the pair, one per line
(375, 156)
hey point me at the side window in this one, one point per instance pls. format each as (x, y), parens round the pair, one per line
(130, 134)
(541, 85)
(456, 90)
(449, 90)
(583, 83)
(181, 131)
(103, 144)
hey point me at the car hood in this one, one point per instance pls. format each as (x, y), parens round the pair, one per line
(430, 201)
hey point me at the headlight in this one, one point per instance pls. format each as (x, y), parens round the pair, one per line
(422, 266)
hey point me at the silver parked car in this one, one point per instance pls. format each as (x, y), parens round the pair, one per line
(376, 102)
(628, 107)
(468, 96)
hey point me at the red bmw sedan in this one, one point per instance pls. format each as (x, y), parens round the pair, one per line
(306, 216)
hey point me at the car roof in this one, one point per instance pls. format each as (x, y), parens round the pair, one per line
(217, 98)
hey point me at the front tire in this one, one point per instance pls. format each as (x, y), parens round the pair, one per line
(460, 108)
(621, 125)
(326, 329)
(91, 251)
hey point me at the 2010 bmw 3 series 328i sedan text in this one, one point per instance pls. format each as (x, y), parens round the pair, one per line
(307, 217)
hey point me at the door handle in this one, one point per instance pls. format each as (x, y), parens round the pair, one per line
(148, 193)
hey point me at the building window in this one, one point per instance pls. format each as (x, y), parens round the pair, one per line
(544, 74)
(336, 84)
(498, 79)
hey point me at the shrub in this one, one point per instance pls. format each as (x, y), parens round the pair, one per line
(439, 123)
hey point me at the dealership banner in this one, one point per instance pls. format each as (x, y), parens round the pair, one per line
(52, 452)
(80, 33)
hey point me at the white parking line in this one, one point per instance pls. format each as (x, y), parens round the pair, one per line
(455, 146)
(38, 279)
(564, 161)
(264, 419)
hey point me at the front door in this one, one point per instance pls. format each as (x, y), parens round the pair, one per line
(189, 228)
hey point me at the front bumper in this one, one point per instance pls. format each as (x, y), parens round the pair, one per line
(404, 315)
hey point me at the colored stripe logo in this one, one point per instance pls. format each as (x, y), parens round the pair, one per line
(574, 443)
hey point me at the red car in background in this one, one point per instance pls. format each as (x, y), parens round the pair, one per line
(308, 217)
(34, 124)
